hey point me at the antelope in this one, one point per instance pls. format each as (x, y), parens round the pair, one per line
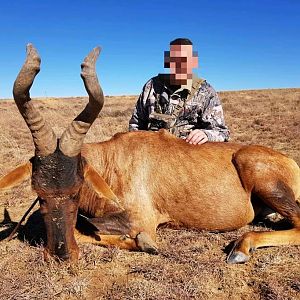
(127, 187)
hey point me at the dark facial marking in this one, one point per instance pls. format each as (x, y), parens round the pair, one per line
(56, 173)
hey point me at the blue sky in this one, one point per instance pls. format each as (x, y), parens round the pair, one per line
(250, 44)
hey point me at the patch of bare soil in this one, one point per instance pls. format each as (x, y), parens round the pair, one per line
(191, 264)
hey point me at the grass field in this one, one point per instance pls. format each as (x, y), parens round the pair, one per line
(191, 264)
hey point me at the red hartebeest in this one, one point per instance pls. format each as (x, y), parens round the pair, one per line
(128, 187)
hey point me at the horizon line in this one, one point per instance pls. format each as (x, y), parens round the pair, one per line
(136, 95)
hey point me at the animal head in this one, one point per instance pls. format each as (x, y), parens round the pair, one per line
(57, 169)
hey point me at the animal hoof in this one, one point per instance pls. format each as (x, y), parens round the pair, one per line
(237, 257)
(146, 244)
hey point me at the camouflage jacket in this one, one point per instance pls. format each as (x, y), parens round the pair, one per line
(180, 111)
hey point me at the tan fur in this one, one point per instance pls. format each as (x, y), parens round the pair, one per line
(99, 185)
(16, 176)
(159, 178)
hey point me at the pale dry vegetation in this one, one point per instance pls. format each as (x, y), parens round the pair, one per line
(191, 264)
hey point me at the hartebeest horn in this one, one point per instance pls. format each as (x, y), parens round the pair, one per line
(72, 138)
(43, 136)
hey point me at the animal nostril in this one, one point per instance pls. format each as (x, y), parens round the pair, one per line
(60, 244)
(65, 257)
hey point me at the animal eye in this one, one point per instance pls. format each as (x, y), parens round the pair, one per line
(42, 201)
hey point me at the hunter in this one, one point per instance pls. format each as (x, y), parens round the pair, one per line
(180, 102)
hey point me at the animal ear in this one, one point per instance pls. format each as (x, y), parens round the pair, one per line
(100, 187)
(16, 176)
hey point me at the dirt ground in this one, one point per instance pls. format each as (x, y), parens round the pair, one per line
(191, 264)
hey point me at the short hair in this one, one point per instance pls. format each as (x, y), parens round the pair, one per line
(181, 41)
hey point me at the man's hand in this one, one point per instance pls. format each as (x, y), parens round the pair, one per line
(197, 137)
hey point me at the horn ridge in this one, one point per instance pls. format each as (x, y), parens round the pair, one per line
(43, 136)
(72, 139)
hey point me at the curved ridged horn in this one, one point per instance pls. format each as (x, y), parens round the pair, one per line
(44, 139)
(72, 138)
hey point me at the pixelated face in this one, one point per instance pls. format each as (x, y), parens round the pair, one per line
(181, 60)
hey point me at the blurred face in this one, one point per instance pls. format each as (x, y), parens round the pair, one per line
(181, 60)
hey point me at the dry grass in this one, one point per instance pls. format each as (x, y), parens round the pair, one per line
(191, 264)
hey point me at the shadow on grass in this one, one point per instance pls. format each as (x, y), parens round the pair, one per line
(34, 230)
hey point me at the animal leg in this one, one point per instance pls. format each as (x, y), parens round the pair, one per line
(145, 243)
(115, 230)
(280, 198)
(120, 241)
(142, 241)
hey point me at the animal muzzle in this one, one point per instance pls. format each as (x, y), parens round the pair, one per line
(61, 243)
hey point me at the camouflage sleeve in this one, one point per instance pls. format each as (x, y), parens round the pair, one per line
(140, 116)
(212, 116)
